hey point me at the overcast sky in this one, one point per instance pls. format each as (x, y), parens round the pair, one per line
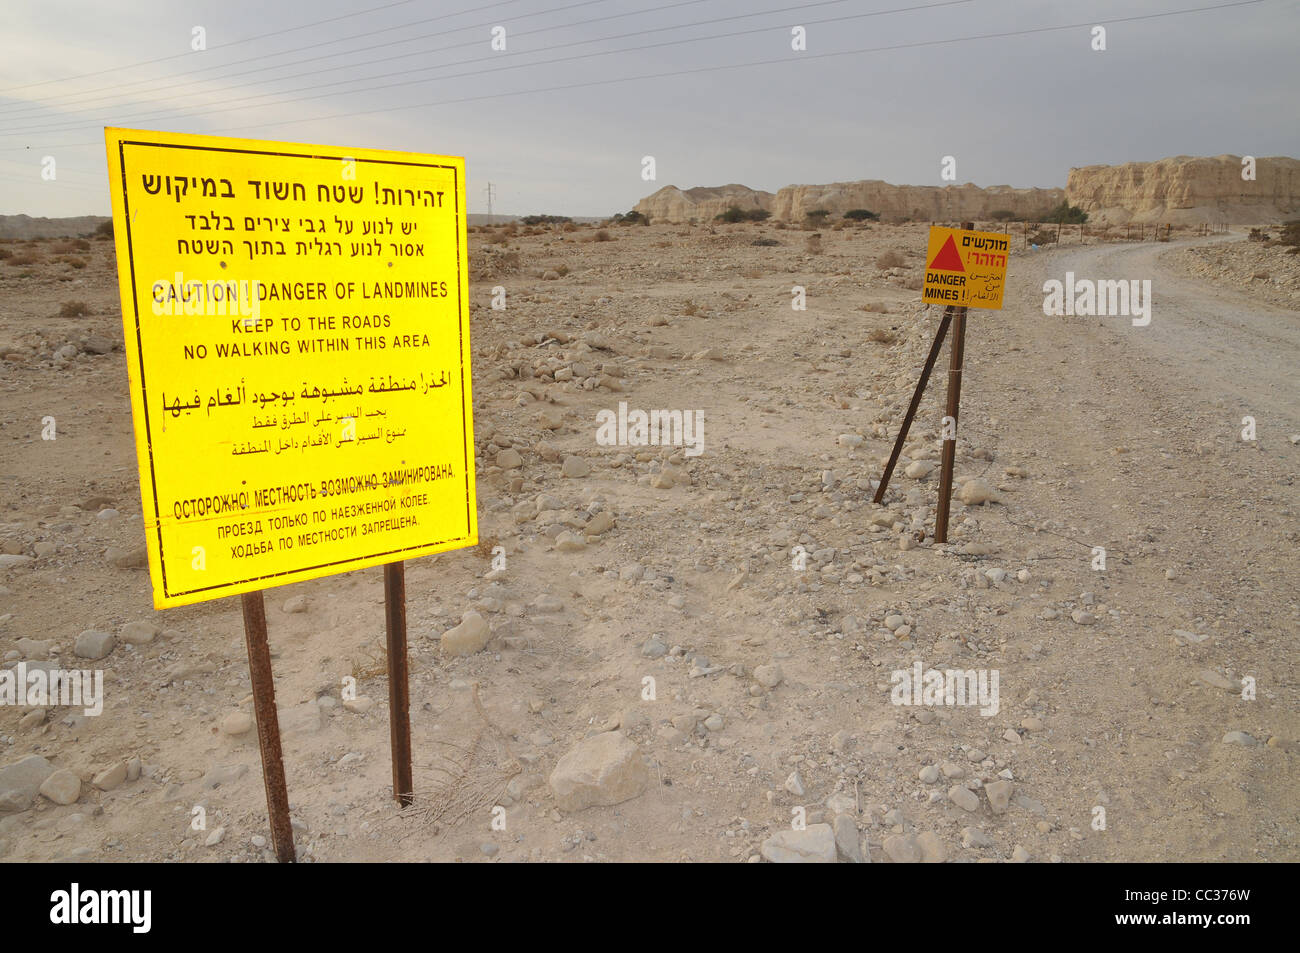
(1015, 110)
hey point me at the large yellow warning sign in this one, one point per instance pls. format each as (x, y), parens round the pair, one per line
(297, 337)
(965, 269)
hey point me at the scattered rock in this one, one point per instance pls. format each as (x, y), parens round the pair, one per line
(976, 492)
(601, 770)
(359, 705)
(999, 795)
(964, 798)
(847, 841)
(467, 638)
(814, 845)
(93, 644)
(236, 723)
(138, 633)
(295, 604)
(575, 467)
(1239, 738)
(62, 787)
(111, 777)
(902, 849)
(794, 784)
(137, 558)
(769, 676)
(21, 781)
(509, 459)
(932, 849)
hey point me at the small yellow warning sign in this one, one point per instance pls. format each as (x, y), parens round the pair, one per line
(296, 323)
(966, 269)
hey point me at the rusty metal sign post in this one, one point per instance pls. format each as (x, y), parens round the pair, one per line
(954, 315)
(268, 720)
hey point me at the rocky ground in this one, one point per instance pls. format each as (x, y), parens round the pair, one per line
(1121, 731)
(1265, 271)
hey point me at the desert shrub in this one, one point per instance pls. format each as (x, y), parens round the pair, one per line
(818, 215)
(546, 219)
(569, 227)
(74, 309)
(601, 236)
(813, 243)
(890, 259)
(861, 215)
(5, 253)
(752, 273)
(1003, 215)
(874, 307)
(1257, 235)
(63, 248)
(881, 336)
(25, 258)
(1262, 275)
(913, 284)
(1042, 236)
(779, 225)
(561, 270)
(765, 242)
(1066, 214)
(690, 309)
(104, 229)
(77, 263)
(1290, 234)
(631, 218)
(737, 214)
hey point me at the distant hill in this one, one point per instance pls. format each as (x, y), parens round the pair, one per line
(24, 226)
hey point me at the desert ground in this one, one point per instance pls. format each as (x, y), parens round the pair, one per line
(1121, 690)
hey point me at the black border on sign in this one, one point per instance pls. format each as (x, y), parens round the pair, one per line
(144, 393)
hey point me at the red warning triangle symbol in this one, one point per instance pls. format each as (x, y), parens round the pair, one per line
(948, 259)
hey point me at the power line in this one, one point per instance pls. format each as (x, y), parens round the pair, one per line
(803, 57)
(14, 109)
(222, 46)
(28, 105)
(61, 126)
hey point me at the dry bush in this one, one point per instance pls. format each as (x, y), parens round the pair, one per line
(5, 253)
(1260, 274)
(813, 243)
(914, 283)
(752, 273)
(561, 270)
(568, 227)
(26, 258)
(882, 336)
(890, 259)
(75, 262)
(494, 264)
(74, 309)
(63, 248)
(663, 244)
(602, 236)
(874, 307)
(690, 309)
(779, 225)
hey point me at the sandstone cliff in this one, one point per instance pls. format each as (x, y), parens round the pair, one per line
(671, 204)
(891, 202)
(916, 202)
(1187, 190)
